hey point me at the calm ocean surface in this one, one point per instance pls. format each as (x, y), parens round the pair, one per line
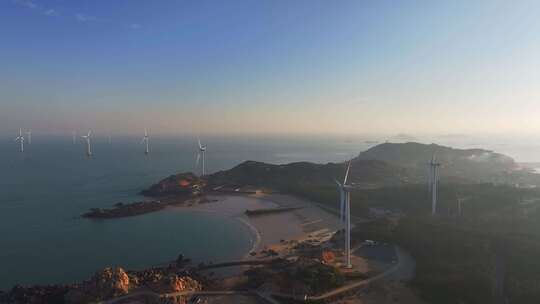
(45, 189)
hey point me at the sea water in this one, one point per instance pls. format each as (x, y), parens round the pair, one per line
(44, 190)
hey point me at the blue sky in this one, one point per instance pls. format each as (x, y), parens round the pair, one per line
(270, 66)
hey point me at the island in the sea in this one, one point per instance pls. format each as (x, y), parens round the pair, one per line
(175, 190)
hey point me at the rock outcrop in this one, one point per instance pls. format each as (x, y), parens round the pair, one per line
(111, 282)
(105, 284)
(176, 283)
(174, 185)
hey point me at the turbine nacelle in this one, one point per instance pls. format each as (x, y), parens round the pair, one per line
(87, 136)
(202, 148)
(20, 137)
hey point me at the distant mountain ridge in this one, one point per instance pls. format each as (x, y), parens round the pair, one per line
(384, 165)
(387, 164)
(478, 165)
(309, 174)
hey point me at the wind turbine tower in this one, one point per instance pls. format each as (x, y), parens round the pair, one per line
(434, 183)
(202, 154)
(145, 140)
(29, 135)
(88, 146)
(20, 139)
(74, 137)
(345, 212)
(460, 201)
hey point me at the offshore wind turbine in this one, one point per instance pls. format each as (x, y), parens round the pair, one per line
(145, 139)
(201, 154)
(20, 139)
(29, 135)
(345, 212)
(88, 146)
(433, 183)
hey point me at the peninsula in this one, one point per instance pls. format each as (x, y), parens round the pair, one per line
(390, 204)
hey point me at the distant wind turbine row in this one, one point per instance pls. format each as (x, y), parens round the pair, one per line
(201, 154)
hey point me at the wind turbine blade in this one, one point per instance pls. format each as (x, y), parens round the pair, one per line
(199, 140)
(198, 159)
(347, 173)
(338, 183)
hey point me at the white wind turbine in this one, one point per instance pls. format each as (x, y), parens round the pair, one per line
(433, 183)
(88, 147)
(146, 139)
(20, 139)
(345, 212)
(201, 154)
(29, 135)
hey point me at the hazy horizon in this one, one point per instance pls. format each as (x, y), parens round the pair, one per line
(243, 67)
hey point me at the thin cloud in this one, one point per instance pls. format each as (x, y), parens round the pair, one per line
(33, 6)
(84, 18)
(51, 12)
(134, 26)
(26, 3)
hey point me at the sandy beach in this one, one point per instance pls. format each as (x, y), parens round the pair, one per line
(270, 229)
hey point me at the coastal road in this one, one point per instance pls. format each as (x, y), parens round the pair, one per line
(402, 269)
(264, 297)
(406, 269)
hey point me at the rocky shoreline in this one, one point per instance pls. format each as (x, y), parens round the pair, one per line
(113, 282)
(138, 208)
(175, 190)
